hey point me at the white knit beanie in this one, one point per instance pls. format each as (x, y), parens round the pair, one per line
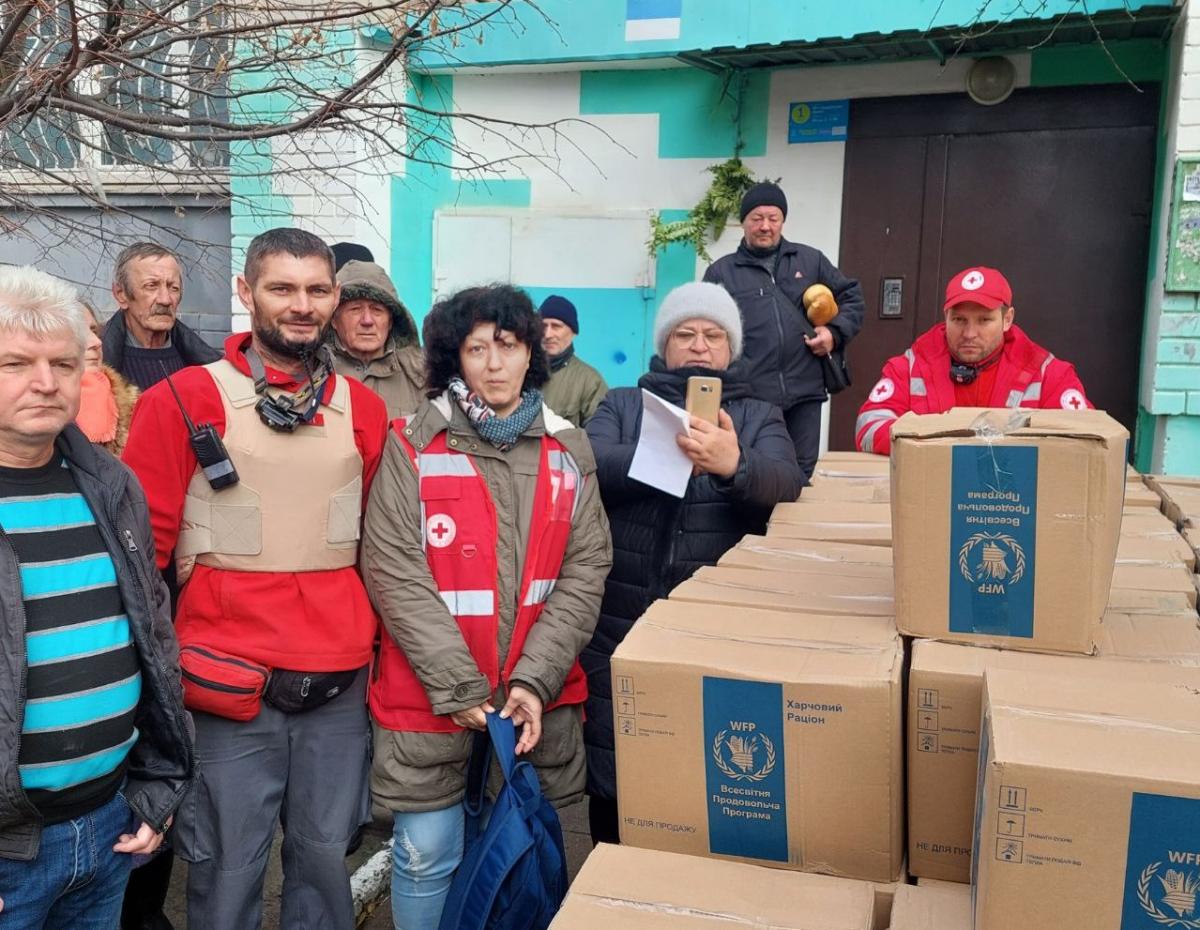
(701, 300)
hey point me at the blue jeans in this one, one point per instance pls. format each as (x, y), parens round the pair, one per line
(427, 852)
(76, 882)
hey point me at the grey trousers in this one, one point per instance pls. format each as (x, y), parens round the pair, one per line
(308, 770)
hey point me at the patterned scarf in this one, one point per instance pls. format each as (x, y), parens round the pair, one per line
(501, 432)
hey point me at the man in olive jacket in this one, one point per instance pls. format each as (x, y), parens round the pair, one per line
(575, 388)
(374, 338)
(95, 746)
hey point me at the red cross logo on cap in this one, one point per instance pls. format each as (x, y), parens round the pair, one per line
(972, 281)
(440, 530)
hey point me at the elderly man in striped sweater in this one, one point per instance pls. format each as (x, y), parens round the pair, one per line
(95, 746)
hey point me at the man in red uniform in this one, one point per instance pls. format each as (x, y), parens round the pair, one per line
(977, 357)
(267, 563)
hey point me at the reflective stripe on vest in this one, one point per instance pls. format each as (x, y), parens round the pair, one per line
(460, 535)
(539, 590)
(1033, 393)
(872, 420)
(470, 603)
(916, 386)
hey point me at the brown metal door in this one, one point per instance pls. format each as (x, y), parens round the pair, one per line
(1053, 187)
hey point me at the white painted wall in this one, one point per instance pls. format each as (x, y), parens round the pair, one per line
(611, 162)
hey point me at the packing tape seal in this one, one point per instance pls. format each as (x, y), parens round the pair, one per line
(692, 913)
(738, 586)
(806, 645)
(806, 555)
(1108, 721)
(995, 424)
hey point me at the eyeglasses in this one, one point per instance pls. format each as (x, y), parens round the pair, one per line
(713, 338)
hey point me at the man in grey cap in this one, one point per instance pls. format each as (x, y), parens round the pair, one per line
(771, 277)
(374, 338)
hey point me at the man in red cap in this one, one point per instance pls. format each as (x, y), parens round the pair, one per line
(977, 357)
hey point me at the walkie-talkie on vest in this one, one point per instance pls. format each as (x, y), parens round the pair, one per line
(210, 452)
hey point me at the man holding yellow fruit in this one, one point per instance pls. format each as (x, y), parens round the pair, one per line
(798, 312)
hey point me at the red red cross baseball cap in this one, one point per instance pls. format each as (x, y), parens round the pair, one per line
(979, 285)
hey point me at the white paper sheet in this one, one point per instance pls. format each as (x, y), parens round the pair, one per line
(658, 461)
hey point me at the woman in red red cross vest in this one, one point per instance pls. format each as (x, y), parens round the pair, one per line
(485, 551)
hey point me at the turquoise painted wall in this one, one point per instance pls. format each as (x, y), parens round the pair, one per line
(696, 113)
(256, 206)
(594, 30)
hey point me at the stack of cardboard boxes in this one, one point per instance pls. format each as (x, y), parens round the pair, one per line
(1028, 773)
(760, 710)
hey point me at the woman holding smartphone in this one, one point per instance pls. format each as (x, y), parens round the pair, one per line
(743, 465)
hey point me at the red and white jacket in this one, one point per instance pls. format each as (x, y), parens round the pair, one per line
(456, 507)
(1026, 375)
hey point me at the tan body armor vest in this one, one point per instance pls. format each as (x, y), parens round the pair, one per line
(297, 506)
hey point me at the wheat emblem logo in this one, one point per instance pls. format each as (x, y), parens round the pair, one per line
(993, 565)
(1179, 890)
(742, 752)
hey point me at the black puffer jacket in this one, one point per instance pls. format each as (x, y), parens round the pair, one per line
(659, 540)
(769, 291)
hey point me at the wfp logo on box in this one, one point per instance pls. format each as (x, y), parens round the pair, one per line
(1162, 868)
(993, 539)
(738, 755)
(744, 768)
(1174, 889)
(992, 560)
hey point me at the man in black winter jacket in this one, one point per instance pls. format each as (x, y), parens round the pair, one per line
(768, 276)
(145, 340)
(95, 746)
(742, 468)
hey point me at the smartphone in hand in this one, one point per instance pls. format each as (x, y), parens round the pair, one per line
(703, 398)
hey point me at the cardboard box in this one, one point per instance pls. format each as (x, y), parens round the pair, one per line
(1132, 600)
(775, 739)
(879, 492)
(641, 889)
(945, 699)
(807, 592)
(885, 897)
(1175, 579)
(866, 461)
(1089, 802)
(765, 558)
(821, 553)
(937, 907)
(833, 521)
(1138, 495)
(1172, 638)
(1147, 522)
(1155, 550)
(1006, 539)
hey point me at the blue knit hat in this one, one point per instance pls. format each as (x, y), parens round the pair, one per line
(559, 308)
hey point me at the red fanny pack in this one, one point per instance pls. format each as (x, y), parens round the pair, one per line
(215, 682)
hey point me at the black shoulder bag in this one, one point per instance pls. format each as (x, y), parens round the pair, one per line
(834, 370)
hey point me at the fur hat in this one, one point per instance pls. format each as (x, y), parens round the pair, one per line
(702, 300)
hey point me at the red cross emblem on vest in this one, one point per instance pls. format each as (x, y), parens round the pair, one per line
(440, 530)
(1072, 399)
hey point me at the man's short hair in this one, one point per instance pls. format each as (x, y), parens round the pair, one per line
(288, 240)
(40, 305)
(136, 252)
